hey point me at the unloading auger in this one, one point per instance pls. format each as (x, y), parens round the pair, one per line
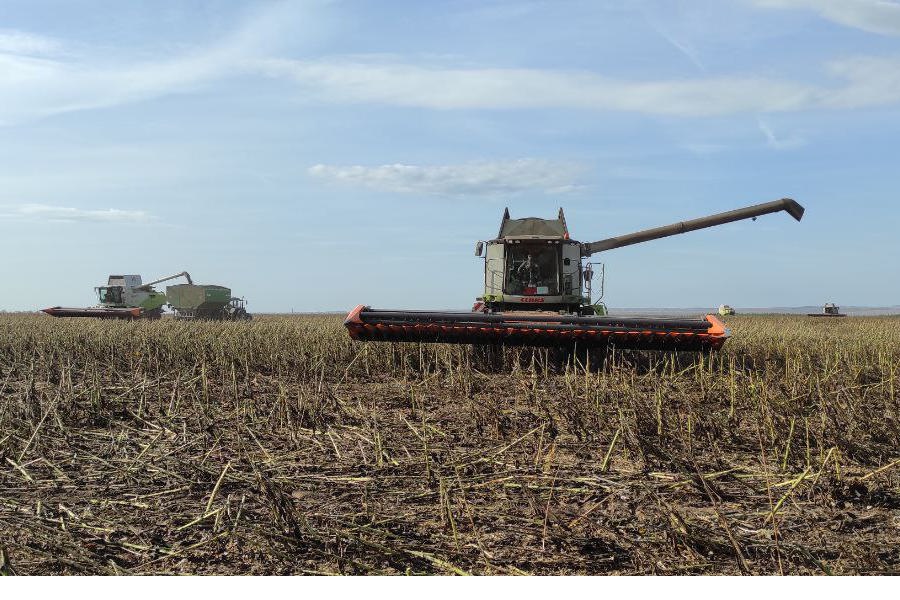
(537, 292)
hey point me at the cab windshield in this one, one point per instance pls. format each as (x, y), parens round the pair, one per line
(532, 269)
(110, 295)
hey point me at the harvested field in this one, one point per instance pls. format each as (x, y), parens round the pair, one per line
(278, 446)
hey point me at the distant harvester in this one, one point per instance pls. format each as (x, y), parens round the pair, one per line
(830, 309)
(126, 297)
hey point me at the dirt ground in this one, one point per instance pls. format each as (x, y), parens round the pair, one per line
(279, 447)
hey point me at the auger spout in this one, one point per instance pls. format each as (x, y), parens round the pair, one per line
(184, 274)
(750, 212)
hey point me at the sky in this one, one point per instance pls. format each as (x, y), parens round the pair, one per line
(315, 155)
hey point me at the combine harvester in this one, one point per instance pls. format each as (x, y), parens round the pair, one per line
(725, 310)
(126, 297)
(537, 292)
(830, 309)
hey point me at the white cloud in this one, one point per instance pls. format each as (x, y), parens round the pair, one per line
(64, 213)
(38, 87)
(858, 83)
(779, 143)
(35, 85)
(38, 79)
(20, 42)
(30, 44)
(875, 16)
(483, 178)
(683, 47)
(871, 82)
(496, 88)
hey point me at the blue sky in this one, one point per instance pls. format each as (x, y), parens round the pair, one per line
(316, 155)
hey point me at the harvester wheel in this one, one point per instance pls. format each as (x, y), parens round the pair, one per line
(241, 314)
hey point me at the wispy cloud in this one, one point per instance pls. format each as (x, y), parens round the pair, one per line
(684, 47)
(43, 212)
(779, 143)
(482, 178)
(38, 87)
(857, 83)
(29, 44)
(40, 78)
(870, 82)
(875, 16)
(497, 88)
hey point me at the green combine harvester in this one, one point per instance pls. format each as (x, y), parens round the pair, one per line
(126, 297)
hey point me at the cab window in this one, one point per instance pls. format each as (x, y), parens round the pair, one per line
(110, 295)
(532, 269)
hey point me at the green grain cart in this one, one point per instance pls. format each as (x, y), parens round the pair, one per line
(213, 302)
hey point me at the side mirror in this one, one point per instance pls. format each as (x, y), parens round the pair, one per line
(479, 248)
(588, 272)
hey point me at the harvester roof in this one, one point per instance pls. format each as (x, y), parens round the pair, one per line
(533, 227)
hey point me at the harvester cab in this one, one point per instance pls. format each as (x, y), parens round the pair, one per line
(534, 265)
(128, 291)
(536, 293)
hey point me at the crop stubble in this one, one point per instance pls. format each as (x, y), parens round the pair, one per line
(280, 446)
